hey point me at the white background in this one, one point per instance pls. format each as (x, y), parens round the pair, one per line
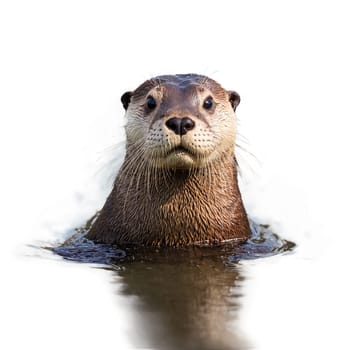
(63, 67)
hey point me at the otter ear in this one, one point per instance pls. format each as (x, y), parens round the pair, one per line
(234, 98)
(126, 97)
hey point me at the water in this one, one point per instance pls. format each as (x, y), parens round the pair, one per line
(188, 298)
(262, 243)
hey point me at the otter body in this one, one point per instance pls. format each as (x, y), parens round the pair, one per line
(178, 183)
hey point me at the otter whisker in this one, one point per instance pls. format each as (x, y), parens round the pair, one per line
(134, 174)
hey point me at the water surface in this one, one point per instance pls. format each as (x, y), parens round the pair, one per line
(186, 298)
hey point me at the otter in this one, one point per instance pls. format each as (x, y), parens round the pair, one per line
(178, 183)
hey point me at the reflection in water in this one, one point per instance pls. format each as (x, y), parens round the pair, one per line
(187, 298)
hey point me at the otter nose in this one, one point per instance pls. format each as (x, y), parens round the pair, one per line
(180, 126)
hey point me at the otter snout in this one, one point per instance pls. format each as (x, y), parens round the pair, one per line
(180, 126)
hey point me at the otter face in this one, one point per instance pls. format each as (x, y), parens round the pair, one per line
(180, 121)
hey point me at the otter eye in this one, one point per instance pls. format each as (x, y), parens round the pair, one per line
(208, 103)
(151, 102)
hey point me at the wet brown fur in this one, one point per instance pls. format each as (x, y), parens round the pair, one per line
(153, 204)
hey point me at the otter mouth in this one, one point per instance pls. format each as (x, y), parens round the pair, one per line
(179, 157)
(180, 149)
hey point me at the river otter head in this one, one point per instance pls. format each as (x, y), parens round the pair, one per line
(180, 121)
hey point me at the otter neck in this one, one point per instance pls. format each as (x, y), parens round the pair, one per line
(177, 207)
